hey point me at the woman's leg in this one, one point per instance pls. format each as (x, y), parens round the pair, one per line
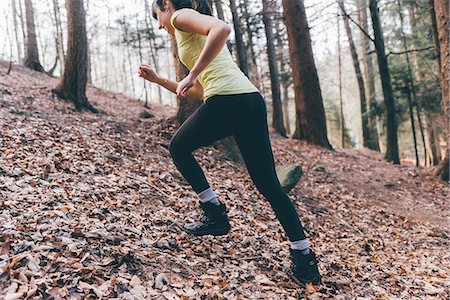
(252, 137)
(200, 129)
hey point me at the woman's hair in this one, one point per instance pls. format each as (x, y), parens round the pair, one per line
(202, 6)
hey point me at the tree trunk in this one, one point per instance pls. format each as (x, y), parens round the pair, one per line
(59, 37)
(310, 114)
(141, 60)
(442, 19)
(434, 29)
(285, 75)
(391, 124)
(373, 142)
(359, 78)
(32, 57)
(277, 113)
(416, 76)
(411, 94)
(153, 53)
(341, 104)
(240, 47)
(73, 82)
(253, 74)
(16, 30)
(219, 8)
(23, 23)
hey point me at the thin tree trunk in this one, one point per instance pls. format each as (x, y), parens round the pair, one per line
(370, 76)
(240, 47)
(411, 95)
(59, 37)
(442, 19)
(253, 74)
(277, 113)
(359, 78)
(284, 75)
(434, 29)
(153, 54)
(341, 104)
(16, 29)
(32, 57)
(219, 8)
(73, 82)
(139, 39)
(416, 75)
(392, 153)
(310, 114)
(23, 23)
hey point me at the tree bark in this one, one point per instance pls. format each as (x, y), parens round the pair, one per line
(417, 74)
(59, 35)
(153, 52)
(73, 82)
(341, 104)
(392, 153)
(32, 57)
(285, 75)
(277, 113)
(374, 143)
(253, 71)
(310, 114)
(442, 19)
(16, 29)
(240, 47)
(359, 78)
(410, 88)
(219, 9)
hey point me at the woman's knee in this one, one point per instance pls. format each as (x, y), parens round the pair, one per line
(176, 148)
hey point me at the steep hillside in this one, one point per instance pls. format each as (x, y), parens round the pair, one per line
(91, 207)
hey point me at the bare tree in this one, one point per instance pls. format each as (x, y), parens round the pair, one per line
(391, 124)
(369, 74)
(32, 56)
(310, 114)
(73, 82)
(277, 113)
(359, 77)
(16, 29)
(240, 47)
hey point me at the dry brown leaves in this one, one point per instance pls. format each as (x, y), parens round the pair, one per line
(91, 208)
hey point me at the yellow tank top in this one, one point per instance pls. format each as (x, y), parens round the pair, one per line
(222, 76)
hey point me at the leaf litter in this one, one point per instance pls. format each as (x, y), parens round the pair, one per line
(91, 207)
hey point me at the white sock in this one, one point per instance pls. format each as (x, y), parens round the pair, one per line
(301, 245)
(208, 195)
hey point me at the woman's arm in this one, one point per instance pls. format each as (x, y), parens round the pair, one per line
(217, 33)
(148, 73)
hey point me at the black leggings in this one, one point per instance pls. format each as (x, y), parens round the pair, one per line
(245, 117)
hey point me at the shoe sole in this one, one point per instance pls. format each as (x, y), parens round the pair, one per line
(315, 281)
(217, 232)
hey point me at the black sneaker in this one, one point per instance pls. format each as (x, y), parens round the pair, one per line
(304, 268)
(214, 221)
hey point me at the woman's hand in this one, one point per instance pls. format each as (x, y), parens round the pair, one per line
(185, 84)
(148, 73)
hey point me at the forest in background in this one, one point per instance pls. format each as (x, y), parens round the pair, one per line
(120, 36)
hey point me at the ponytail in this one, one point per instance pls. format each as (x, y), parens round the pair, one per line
(202, 6)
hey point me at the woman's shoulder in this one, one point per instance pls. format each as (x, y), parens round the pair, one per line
(180, 11)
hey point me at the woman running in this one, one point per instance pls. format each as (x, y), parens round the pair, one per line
(232, 106)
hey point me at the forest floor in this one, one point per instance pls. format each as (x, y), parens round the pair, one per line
(91, 206)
